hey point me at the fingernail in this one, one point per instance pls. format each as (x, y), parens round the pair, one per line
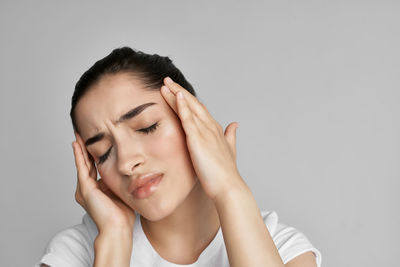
(180, 95)
(168, 80)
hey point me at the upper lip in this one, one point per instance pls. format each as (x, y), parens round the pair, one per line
(143, 179)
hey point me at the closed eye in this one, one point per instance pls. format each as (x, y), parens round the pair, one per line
(147, 130)
(150, 129)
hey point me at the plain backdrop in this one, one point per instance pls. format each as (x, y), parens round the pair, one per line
(314, 86)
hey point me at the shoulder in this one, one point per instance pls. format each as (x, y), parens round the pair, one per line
(289, 241)
(72, 246)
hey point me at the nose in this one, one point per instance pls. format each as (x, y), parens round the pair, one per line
(129, 156)
(127, 167)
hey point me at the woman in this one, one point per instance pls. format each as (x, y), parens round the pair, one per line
(170, 193)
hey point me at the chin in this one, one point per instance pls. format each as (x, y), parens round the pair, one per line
(163, 207)
(158, 213)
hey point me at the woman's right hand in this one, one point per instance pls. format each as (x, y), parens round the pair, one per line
(106, 209)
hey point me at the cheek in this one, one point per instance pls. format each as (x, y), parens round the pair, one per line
(108, 174)
(166, 147)
(169, 143)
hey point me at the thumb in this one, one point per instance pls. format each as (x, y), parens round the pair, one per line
(230, 136)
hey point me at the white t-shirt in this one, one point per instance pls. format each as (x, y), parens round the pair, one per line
(73, 247)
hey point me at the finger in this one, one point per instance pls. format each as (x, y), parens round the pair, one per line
(169, 97)
(82, 146)
(82, 171)
(192, 101)
(87, 157)
(185, 114)
(172, 99)
(78, 194)
(230, 136)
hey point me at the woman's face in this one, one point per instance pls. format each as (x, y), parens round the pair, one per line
(134, 152)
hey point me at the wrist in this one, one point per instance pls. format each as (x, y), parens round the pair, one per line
(111, 235)
(235, 190)
(113, 248)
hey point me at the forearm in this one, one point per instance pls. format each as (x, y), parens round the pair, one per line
(247, 239)
(113, 248)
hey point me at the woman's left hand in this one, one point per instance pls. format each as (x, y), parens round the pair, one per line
(212, 151)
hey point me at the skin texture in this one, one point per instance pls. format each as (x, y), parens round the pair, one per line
(201, 189)
(305, 259)
(135, 153)
(172, 215)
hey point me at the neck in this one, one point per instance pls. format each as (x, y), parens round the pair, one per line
(186, 231)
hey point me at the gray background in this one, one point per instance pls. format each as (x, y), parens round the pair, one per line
(313, 84)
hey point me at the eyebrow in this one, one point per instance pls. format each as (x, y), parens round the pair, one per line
(129, 115)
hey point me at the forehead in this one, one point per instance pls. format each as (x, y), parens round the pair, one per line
(112, 96)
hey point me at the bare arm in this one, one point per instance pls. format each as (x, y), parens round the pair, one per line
(113, 248)
(246, 236)
(306, 259)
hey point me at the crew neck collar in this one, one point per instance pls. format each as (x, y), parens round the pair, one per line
(207, 254)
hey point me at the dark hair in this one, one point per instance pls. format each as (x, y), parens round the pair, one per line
(150, 69)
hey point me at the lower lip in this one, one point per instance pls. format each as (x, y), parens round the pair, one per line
(148, 189)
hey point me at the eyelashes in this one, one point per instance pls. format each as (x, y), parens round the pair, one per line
(147, 130)
(150, 129)
(104, 157)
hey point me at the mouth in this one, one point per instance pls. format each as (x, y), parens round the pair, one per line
(145, 186)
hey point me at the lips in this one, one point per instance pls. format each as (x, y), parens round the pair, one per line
(142, 180)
